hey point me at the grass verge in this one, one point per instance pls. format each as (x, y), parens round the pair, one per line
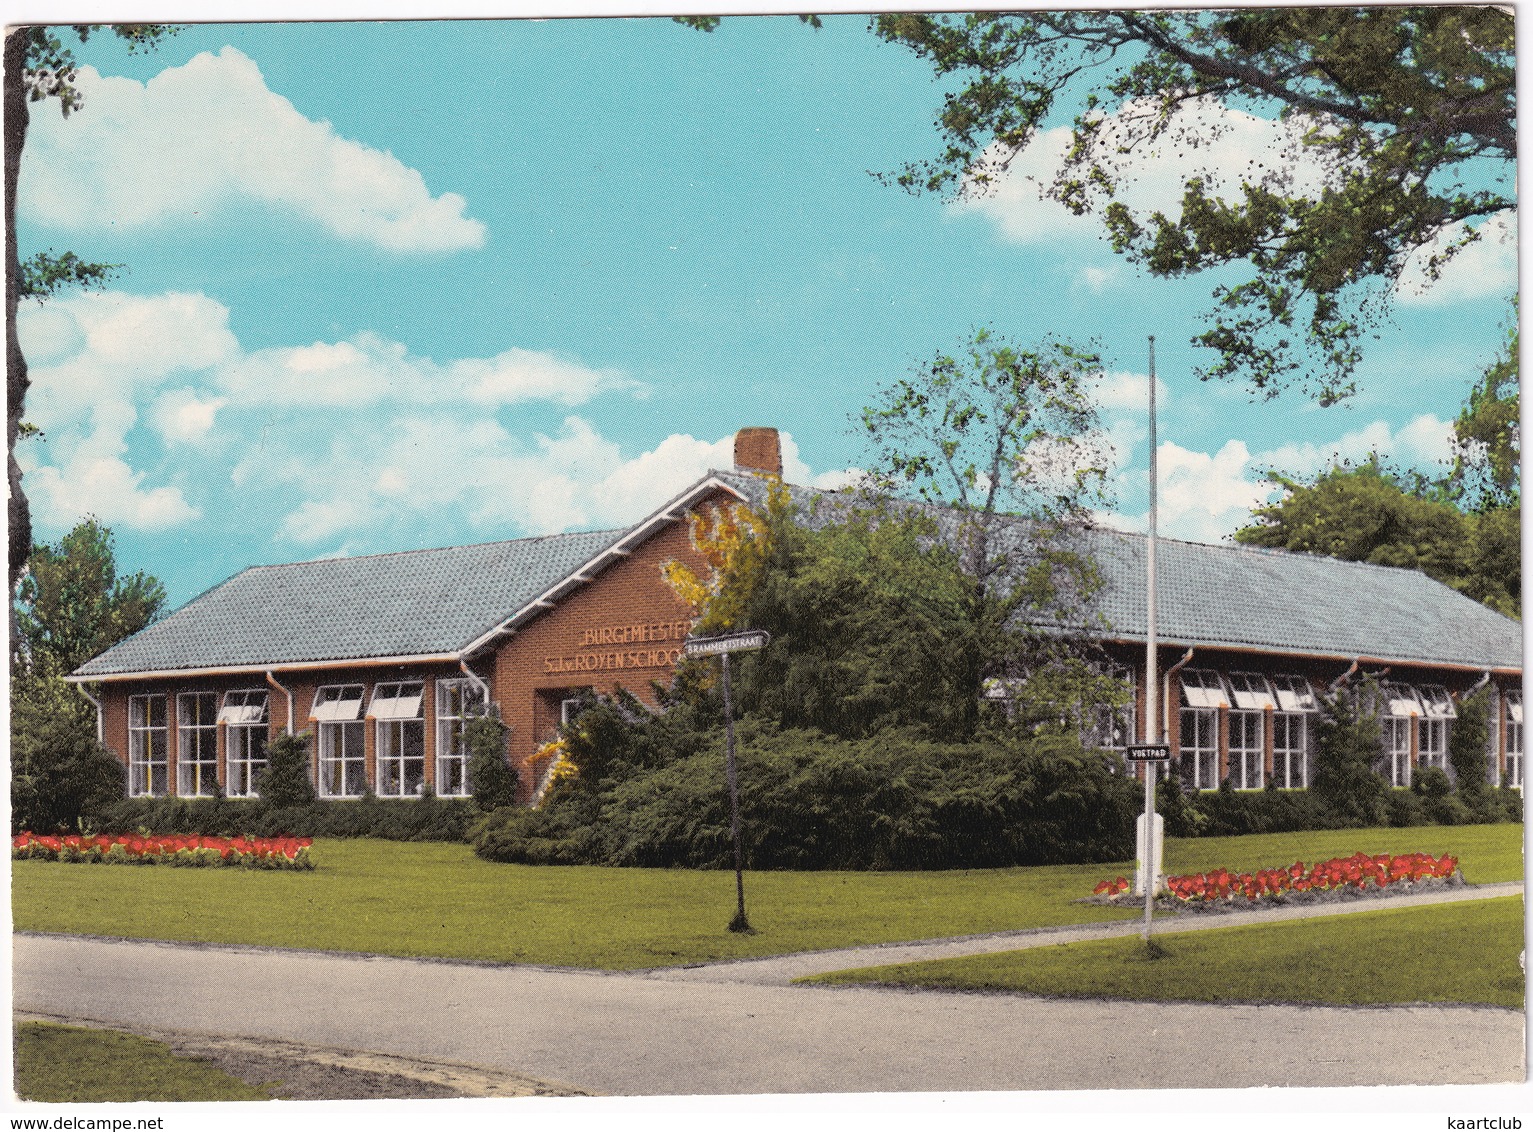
(73, 1065)
(1459, 953)
(437, 899)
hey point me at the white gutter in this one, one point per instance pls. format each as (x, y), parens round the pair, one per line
(272, 680)
(262, 669)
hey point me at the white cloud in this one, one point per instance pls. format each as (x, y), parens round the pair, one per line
(312, 421)
(1486, 267)
(1225, 147)
(1206, 497)
(196, 137)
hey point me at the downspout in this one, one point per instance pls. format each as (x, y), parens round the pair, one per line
(101, 727)
(484, 689)
(272, 680)
(1165, 689)
(1484, 680)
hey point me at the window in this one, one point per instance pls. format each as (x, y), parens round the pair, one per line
(148, 765)
(1246, 748)
(196, 744)
(1291, 730)
(342, 760)
(1513, 776)
(1432, 743)
(396, 709)
(1400, 704)
(1114, 728)
(1250, 692)
(1202, 697)
(456, 702)
(244, 716)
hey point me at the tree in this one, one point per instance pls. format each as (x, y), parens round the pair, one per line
(286, 781)
(1003, 441)
(492, 778)
(38, 67)
(1366, 514)
(1487, 468)
(1348, 741)
(69, 606)
(1408, 113)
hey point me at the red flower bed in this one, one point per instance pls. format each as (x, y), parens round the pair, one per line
(1357, 872)
(170, 849)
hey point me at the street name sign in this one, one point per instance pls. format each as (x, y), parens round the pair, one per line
(729, 642)
(1147, 752)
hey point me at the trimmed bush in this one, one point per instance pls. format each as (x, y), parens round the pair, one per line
(811, 801)
(427, 818)
(286, 782)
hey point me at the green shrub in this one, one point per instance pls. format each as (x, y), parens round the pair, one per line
(427, 818)
(69, 785)
(1348, 740)
(1468, 741)
(490, 775)
(1404, 808)
(812, 801)
(287, 781)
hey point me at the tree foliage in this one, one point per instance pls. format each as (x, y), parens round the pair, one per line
(1487, 468)
(1348, 741)
(70, 605)
(1407, 114)
(287, 780)
(1004, 441)
(490, 776)
(38, 66)
(1366, 514)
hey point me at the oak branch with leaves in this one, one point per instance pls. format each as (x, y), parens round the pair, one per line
(1404, 118)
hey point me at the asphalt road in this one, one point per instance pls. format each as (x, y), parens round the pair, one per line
(709, 1032)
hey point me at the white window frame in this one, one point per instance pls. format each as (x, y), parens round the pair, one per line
(246, 716)
(1247, 761)
(1202, 697)
(1400, 704)
(148, 747)
(455, 700)
(1295, 705)
(1513, 776)
(1202, 688)
(1249, 692)
(342, 740)
(400, 729)
(196, 744)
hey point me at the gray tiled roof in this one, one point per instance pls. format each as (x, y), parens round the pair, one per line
(1270, 600)
(416, 603)
(1246, 597)
(436, 602)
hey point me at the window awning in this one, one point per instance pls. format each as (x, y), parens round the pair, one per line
(337, 704)
(243, 708)
(396, 701)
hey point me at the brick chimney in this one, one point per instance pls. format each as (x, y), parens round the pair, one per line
(758, 450)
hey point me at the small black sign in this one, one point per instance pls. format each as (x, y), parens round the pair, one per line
(1147, 752)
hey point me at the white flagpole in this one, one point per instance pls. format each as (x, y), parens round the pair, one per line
(1151, 678)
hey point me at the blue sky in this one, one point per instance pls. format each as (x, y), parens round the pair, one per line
(391, 285)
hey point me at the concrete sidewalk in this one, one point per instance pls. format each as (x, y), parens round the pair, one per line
(779, 970)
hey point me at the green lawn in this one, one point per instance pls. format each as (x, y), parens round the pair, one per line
(435, 899)
(72, 1065)
(1461, 953)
